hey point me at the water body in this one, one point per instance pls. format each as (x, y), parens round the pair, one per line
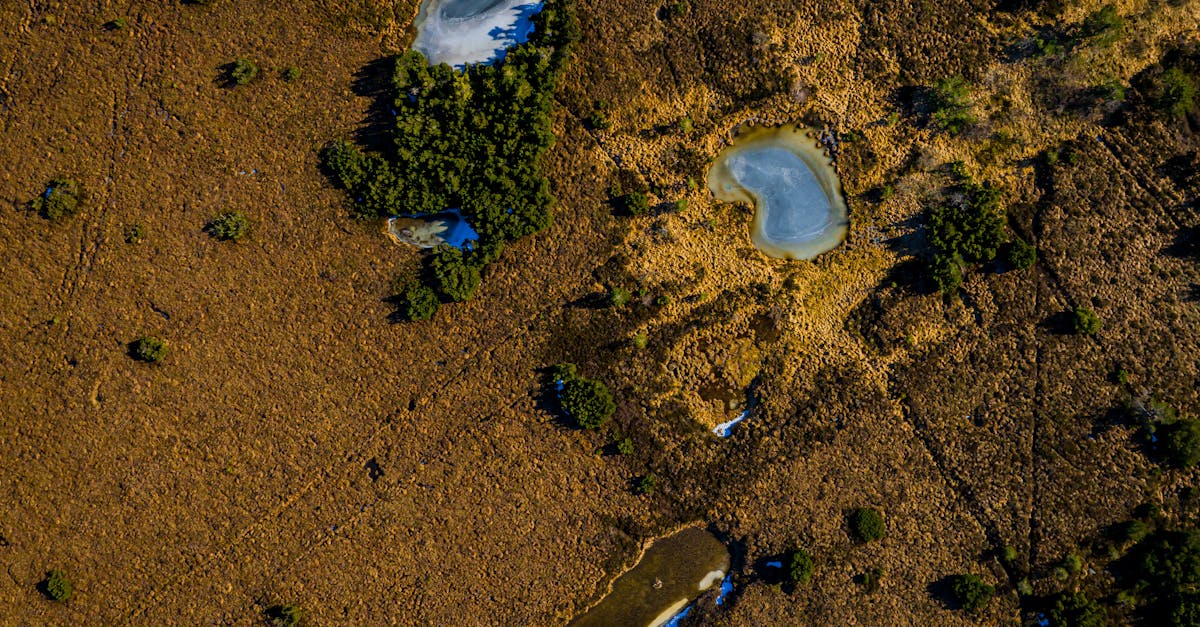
(465, 32)
(447, 227)
(799, 210)
(671, 574)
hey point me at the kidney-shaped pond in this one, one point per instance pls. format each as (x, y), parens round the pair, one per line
(799, 210)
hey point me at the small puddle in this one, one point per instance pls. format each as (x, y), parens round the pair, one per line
(447, 227)
(671, 574)
(799, 210)
(465, 32)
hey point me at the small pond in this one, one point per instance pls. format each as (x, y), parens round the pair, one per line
(429, 231)
(673, 571)
(799, 210)
(464, 32)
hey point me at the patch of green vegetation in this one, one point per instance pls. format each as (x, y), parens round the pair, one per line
(1073, 564)
(681, 205)
(686, 125)
(1174, 92)
(1009, 554)
(56, 587)
(135, 233)
(118, 24)
(472, 139)
(417, 301)
(646, 484)
(971, 230)
(618, 297)
(229, 226)
(866, 523)
(1084, 321)
(1076, 609)
(1130, 532)
(871, 579)
(1104, 26)
(624, 446)
(587, 401)
(1179, 443)
(292, 74)
(149, 349)
(286, 615)
(62, 199)
(635, 203)
(243, 71)
(800, 567)
(641, 341)
(952, 105)
(662, 300)
(676, 9)
(1021, 254)
(597, 120)
(970, 591)
(455, 273)
(1167, 575)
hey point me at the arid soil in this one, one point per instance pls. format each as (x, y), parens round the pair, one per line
(298, 447)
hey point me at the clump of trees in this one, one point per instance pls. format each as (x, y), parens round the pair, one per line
(1076, 609)
(967, 230)
(800, 567)
(586, 401)
(1180, 443)
(971, 591)
(62, 199)
(866, 523)
(1167, 571)
(952, 105)
(56, 586)
(472, 139)
(229, 226)
(149, 349)
(1104, 26)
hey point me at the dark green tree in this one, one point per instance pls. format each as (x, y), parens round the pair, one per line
(62, 199)
(417, 301)
(970, 591)
(1180, 443)
(149, 349)
(1076, 609)
(56, 586)
(800, 567)
(231, 226)
(456, 277)
(1084, 321)
(867, 524)
(587, 401)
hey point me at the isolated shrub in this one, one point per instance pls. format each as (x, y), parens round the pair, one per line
(1075, 609)
(1073, 564)
(681, 205)
(456, 277)
(62, 199)
(970, 591)
(1180, 443)
(56, 586)
(149, 349)
(587, 401)
(974, 228)
(646, 484)
(625, 446)
(242, 71)
(292, 74)
(867, 524)
(598, 119)
(1084, 321)
(872, 578)
(285, 615)
(229, 226)
(946, 272)
(641, 341)
(417, 301)
(618, 297)
(135, 233)
(952, 105)
(635, 203)
(1021, 254)
(800, 567)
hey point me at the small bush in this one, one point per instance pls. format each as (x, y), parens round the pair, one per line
(56, 586)
(1075, 609)
(587, 401)
(635, 203)
(946, 272)
(243, 71)
(871, 579)
(641, 341)
(1130, 532)
(285, 615)
(135, 233)
(952, 105)
(1174, 92)
(646, 484)
(867, 524)
(149, 349)
(1073, 564)
(229, 226)
(618, 297)
(417, 302)
(598, 119)
(1021, 254)
(625, 446)
(62, 199)
(1009, 554)
(347, 164)
(1180, 443)
(1084, 321)
(800, 567)
(292, 74)
(456, 277)
(970, 591)
(681, 205)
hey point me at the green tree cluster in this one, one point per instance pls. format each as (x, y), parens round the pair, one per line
(800, 567)
(472, 139)
(56, 586)
(149, 349)
(970, 591)
(1168, 577)
(587, 401)
(1076, 609)
(417, 301)
(952, 105)
(1084, 321)
(62, 199)
(967, 232)
(231, 225)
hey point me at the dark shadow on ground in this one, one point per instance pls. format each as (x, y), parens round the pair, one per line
(374, 80)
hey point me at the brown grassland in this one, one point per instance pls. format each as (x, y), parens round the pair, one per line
(297, 446)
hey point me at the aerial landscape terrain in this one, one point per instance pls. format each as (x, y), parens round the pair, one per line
(564, 312)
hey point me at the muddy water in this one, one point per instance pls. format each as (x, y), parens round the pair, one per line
(671, 573)
(799, 210)
(464, 32)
